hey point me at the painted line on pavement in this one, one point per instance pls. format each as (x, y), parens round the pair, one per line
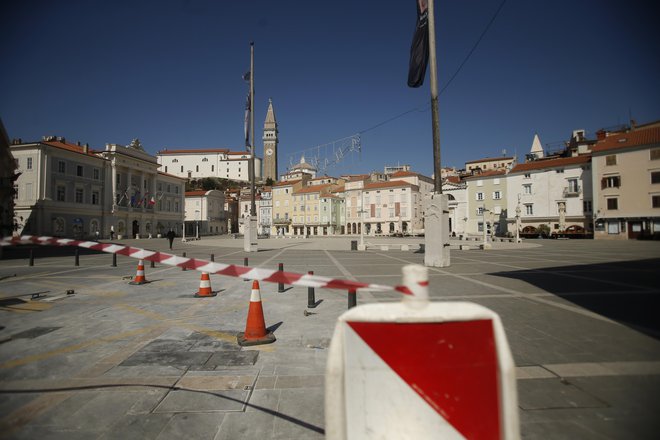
(522, 295)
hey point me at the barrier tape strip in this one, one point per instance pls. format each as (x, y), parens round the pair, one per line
(232, 270)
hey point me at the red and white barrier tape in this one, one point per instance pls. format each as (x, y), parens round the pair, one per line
(232, 270)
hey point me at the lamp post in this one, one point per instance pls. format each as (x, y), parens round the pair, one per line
(361, 212)
(518, 220)
(485, 244)
(197, 212)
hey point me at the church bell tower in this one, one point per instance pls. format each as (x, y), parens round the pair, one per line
(270, 144)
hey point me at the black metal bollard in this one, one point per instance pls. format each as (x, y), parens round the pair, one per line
(311, 300)
(280, 286)
(153, 264)
(31, 257)
(76, 254)
(352, 298)
(184, 267)
(212, 257)
(114, 260)
(245, 263)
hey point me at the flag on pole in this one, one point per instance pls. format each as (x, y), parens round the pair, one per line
(152, 201)
(247, 119)
(419, 49)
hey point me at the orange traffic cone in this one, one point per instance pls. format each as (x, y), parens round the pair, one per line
(205, 287)
(255, 327)
(139, 276)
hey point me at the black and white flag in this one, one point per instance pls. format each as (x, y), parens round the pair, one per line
(419, 50)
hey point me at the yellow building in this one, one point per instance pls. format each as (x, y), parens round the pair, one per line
(282, 205)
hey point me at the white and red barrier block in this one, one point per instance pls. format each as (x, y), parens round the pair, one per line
(420, 370)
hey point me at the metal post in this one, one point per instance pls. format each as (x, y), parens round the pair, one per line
(435, 115)
(184, 267)
(31, 257)
(76, 255)
(311, 300)
(280, 286)
(153, 264)
(212, 257)
(245, 263)
(253, 208)
(352, 298)
(114, 260)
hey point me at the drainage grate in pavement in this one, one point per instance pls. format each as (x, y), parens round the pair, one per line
(232, 359)
(535, 394)
(173, 359)
(34, 332)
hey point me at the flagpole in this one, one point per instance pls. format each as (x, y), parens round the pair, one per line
(253, 208)
(435, 117)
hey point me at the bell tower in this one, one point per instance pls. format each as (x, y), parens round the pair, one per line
(270, 144)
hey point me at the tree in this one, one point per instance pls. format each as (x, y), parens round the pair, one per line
(269, 181)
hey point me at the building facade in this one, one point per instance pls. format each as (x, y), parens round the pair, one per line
(68, 190)
(552, 192)
(205, 213)
(487, 203)
(282, 206)
(626, 178)
(200, 163)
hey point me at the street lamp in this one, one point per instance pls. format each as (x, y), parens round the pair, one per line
(518, 220)
(485, 244)
(361, 212)
(197, 224)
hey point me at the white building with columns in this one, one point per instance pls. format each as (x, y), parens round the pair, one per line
(70, 190)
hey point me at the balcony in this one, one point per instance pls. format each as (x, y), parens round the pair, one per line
(281, 221)
(572, 192)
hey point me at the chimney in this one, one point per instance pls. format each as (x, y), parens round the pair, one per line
(601, 134)
(85, 148)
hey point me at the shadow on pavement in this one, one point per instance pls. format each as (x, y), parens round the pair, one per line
(626, 291)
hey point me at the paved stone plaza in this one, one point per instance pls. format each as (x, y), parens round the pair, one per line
(153, 362)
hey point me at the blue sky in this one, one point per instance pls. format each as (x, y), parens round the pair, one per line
(169, 73)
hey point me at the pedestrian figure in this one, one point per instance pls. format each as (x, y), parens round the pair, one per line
(112, 233)
(170, 237)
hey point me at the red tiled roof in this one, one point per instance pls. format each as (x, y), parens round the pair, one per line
(404, 174)
(551, 163)
(636, 138)
(288, 182)
(388, 184)
(487, 174)
(453, 179)
(238, 152)
(313, 188)
(69, 147)
(490, 159)
(195, 193)
(195, 150)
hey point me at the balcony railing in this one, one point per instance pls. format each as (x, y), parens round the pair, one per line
(281, 221)
(572, 192)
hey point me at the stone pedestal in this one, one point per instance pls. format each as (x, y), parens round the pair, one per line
(250, 234)
(436, 230)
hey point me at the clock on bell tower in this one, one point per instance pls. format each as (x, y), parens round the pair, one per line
(270, 144)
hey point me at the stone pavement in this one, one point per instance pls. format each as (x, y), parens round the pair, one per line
(153, 362)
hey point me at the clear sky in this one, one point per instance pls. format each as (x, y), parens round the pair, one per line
(169, 73)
